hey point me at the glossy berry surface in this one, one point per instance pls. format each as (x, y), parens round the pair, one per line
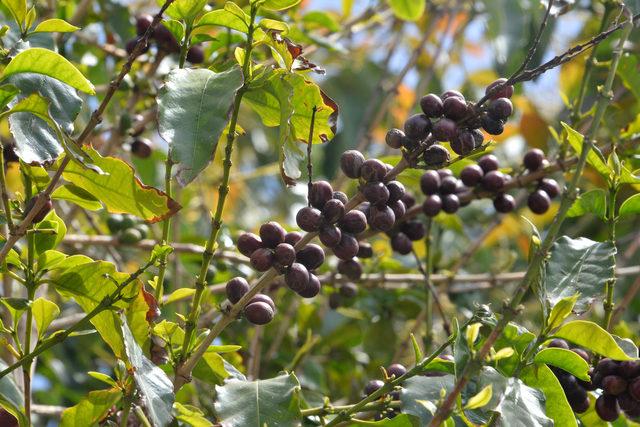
(248, 243)
(330, 235)
(417, 127)
(372, 386)
(539, 202)
(504, 203)
(141, 147)
(272, 234)
(236, 288)
(432, 205)
(347, 248)
(309, 219)
(262, 259)
(373, 170)
(332, 211)
(607, 408)
(471, 175)
(401, 244)
(436, 155)
(431, 105)
(321, 192)
(533, 159)
(258, 313)
(284, 254)
(504, 92)
(430, 182)
(296, 277)
(444, 130)
(500, 109)
(455, 108)
(488, 163)
(195, 55)
(354, 222)
(311, 256)
(350, 162)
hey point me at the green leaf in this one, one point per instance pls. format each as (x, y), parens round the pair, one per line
(564, 359)
(409, 10)
(47, 241)
(190, 415)
(55, 26)
(134, 198)
(154, 386)
(11, 398)
(44, 311)
(74, 194)
(400, 420)
(91, 409)
(628, 72)
(591, 336)
(561, 310)
(44, 61)
(49, 259)
(211, 368)
(419, 395)
(232, 16)
(18, 10)
(103, 377)
(594, 158)
(176, 28)
(557, 407)
(278, 4)
(631, 206)
(272, 24)
(321, 19)
(179, 294)
(579, 266)
(480, 399)
(193, 111)
(186, 10)
(7, 93)
(272, 402)
(593, 202)
(518, 338)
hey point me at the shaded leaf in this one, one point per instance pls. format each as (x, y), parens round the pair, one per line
(480, 399)
(542, 378)
(18, 10)
(49, 240)
(409, 10)
(74, 194)
(91, 409)
(231, 16)
(561, 310)
(7, 93)
(44, 311)
(185, 9)
(591, 336)
(190, 415)
(11, 397)
(593, 202)
(419, 395)
(630, 206)
(564, 359)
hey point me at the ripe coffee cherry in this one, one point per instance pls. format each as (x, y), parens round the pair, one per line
(533, 159)
(313, 287)
(44, 210)
(141, 147)
(491, 125)
(292, 238)
(320, 193)
(143, 22)
(463, 143)
(248, 243)
(332, 211)
(372, 386)
(450, 203)
(431, 105)
(430, 182)
(607, 366)
(165, 39)
(401, 244)
(504, 203)
(131, 45)
(350, 268)
(296, 277)
(347, 248)
(450, 93)
(436, 156)
(354, 222)
(432, 205)
(580, 352)
(493, 181)
(488, 163)
(334, 301)
(348, 290)
(607, 407)
(284, 254)
(634, 389)
(471, 175)
(478, 137)
(236, 288)
(258, 313)
(394, 138)
(339, 195)
(195, 55)
(376, 193)
(500, 109)
(330, 235)
(381, 218)
(373, 170)
(396, 370)
(350, 162)
(455, 108)
(413, 229)
(629, 405)
(558, 343)
(444, 129)
(505, 92)
(398, 208)
(448, 185)
(10, 156)
(262, 259)
(311, 256)
(417, 127)
(309, 219)
(539, 202)
(396, 191)
(578, 399)
(263, 298)
(550, 186)
(408, 200)
(629, 368)
(7, 420)
(613, 384)
(364, 250)
(272, 234)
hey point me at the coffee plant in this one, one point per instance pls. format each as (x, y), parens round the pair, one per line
(200, 226)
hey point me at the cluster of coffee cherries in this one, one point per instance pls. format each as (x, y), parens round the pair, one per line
(127, 228)
(395, 370)
(485, 176)
(164, 40)
(619, 383)
(442, 191)
(539, 200)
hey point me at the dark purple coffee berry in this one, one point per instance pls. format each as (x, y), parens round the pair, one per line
(533, 159)
(444, 130)
(376, 193)
(539, 202)
(488, 163)
(455, 108)
(436, 156)
(365, 250)
(284, 254)
(504, 92)
(373, 170)
(350, 162)
(432, 205)
(629, 405)
(607, 407)
(629, 368)
(417, 127)
(350, 268)
(292, 238)
(381, 218)
(493, 181)
(414, 230)
(248, 243)
(450, 93)
(330, 235)
(558, 343)
(320, 193)
(311, 256)
(165, 39)
(236, 288)
(263, 298)
(272, 234)
(550, 186)
(353, 222)
(348, 290)
(143, 22)
(296, 277)
(613, 384)
(396, 191)
(401, 244)
(309, 219)
(141, 147)
(394, 138)
(430, 182)
(450, 203)
(634, 389)
(471, 175)
(262, 259)
(9, 153)
(463, 143)
(131, 45)
(332, 211)
(335, 301)
(491, 125)
(258, 313)
(582, 353)
(580, 406)
(313, 287)
(500, 109)
(372, 386)
(431, 105)
(504, 203)
(444, 172)
(398, 209)
(408, 200)
(195, 55)
(607, 366)
(339, 195)
(347, 248)
(448, 185)
(396, 370)
(44, 211)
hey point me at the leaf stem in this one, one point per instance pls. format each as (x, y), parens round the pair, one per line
(5, 194)
(610, 284)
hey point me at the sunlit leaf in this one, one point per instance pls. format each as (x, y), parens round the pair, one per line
(55, 25)
(591, 336)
